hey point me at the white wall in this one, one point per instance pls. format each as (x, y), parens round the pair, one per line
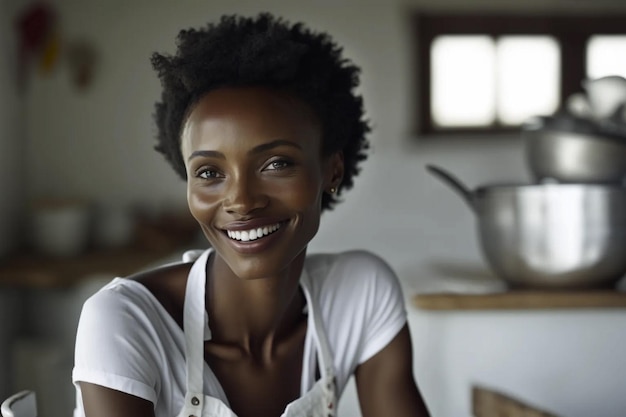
(97, 143)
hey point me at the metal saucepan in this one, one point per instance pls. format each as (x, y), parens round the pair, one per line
(572, 150)
(552, 236)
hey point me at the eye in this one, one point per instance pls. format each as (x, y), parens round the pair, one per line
(208, 173)
(278, 164)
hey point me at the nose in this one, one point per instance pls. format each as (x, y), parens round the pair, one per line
(244, 195)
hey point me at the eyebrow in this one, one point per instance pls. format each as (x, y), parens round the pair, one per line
(274, 144)
(256, 150)
(207, 154)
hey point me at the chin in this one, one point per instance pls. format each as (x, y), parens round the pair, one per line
(264, 266)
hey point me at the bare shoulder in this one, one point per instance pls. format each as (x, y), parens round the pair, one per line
(167, 284)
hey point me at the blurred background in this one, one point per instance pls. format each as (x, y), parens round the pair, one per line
(83, 196)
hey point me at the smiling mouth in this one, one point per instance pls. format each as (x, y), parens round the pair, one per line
(252, 234)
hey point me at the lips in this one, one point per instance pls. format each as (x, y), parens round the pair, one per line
(253, 233)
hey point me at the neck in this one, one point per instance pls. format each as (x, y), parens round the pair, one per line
(252, 317)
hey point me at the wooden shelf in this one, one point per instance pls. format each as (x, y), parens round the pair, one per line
(522, 300)
(32, 271)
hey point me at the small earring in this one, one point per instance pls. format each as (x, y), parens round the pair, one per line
(332, 190)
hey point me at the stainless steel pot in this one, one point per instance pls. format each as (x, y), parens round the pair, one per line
(552, 236)
(574, 151)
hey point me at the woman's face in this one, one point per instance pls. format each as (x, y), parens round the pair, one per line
(256, 176)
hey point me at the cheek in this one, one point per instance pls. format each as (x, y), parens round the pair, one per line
(306, 199)
(200, 203)
(303, 195)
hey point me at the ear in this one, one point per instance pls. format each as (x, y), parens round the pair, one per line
(335, 170)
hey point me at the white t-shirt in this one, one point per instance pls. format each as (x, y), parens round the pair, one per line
(127, 341)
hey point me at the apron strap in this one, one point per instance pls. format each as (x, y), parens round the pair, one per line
(194, 316)
(324, 354)
(195, 325)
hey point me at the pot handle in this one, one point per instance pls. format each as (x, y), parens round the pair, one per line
(455, 183)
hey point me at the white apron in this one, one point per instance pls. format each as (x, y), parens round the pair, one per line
(319, 401)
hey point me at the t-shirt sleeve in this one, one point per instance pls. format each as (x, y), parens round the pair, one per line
(384, 310)
(116, 346)
(363, 306)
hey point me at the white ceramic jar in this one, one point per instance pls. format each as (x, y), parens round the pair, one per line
(60, 227)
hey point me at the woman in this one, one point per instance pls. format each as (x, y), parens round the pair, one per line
(260, 118)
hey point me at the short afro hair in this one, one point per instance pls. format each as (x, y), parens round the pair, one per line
(263, 51)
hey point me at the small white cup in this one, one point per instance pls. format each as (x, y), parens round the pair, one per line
(605, 95)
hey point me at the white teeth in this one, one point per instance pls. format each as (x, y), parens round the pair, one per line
(252, 234)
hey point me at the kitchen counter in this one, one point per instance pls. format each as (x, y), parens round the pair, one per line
(522, 300)
(27, 270)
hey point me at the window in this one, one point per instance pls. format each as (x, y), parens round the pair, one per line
(489, 73)
(478, 81)
(606, 55)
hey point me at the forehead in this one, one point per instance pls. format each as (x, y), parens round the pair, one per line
(250, 115)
